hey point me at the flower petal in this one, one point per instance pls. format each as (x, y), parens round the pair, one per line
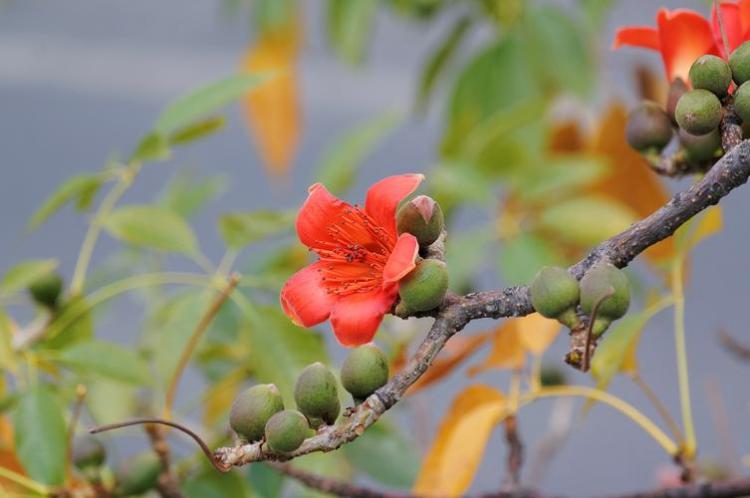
(402, 259)
(315, 216)
(731, 21)
(637, 36)
(355, 318)
(684, 36)
(304, 299)
(744, 6)
(384, 196)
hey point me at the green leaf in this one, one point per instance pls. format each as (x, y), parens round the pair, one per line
(453, 183)
(557, 177)
(111, 401)
(271, 15)
(72, 324)
(152, 148)
(197, 130)
(383, 454)
(7, 355)
(188, 109)
(265, 481)
(80, 189)
(212, 484)
(332, 465)
(152, 227)
(40, 436)
(461, 269)
(522, 256)
(338, 166)
(350, 24)
(23, 274)
(186, 195)
(280, 349)
(108, 360)
(241, 229)
(440, 58)
(587, 220)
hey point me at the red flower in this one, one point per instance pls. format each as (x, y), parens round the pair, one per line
(362, 259)
(683, 35)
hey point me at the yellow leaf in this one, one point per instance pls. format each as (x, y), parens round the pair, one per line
(449, 467)
(711, 223)
(507, 349)
(220, 396)
(537, 333)
(272, 110)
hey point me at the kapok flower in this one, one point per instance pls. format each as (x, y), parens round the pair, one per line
(362, 259)
(683, 35)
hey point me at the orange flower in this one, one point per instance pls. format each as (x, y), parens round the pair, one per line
(362, 259)
(683, 35)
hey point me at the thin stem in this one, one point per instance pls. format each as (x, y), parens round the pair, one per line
(24, 481)
(618, 404)
(682, 361)
(720, 17)
(663, 412)
(230, 256)
(195, 338)
(126, 179)
(77, 407)
(590, 328)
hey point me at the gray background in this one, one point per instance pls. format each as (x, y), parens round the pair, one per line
(80, 79)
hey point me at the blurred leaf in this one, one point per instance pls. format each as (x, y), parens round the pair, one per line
(453, 183)
(265, 481)
(707, 224)
(23, 274)
(507, 348)
(241, 229)
(457, 350)
(462, 437)
(186, 195)
(80, 189)
(197, 105)
(40, 436)
(338, 167)
(211, 484)
(280, 349)
(273, 15)
(558, 50)
(152, 148)
(218, 397)
(537, 333)
(620, 342)
(7, 355)
(72, 324)
(332, 465)
(108, 360)
(197, 131)
(350, 24)
(461, 270)
(559, 176)
(522, 256)
(153, 227)
(440, 58)
(384, 455)
(596, 11)
(272, 111)
(587, 220)
(111, 401)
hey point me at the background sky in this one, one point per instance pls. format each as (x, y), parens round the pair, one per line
(81, 79)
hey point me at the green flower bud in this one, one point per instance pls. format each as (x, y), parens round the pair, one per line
(742, 102)
(597, 282)
(700, 147)
(46, 290)
(138, 474)
(88, 452)
(551, 376)
(252, 409)
(676, 90)
(316, 394)
(739, 62)
(286, 431)
(424, 288)
(364, 371)
(711, 73)
(421, 217)
(698, 112)
(648, 127)
(554, 294)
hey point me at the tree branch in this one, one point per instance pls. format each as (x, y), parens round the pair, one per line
(730, 172)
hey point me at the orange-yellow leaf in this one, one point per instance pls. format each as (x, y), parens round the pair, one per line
(507, 349)
(449, 466)
(631, 180)
(456, 351)
(272, 111)
(536, 332)
(8, 458)
(711, 223)
(220, 396)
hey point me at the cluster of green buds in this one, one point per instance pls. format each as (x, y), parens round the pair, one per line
(258, 414)
(424, 288)
(697, 112)
(603, 295)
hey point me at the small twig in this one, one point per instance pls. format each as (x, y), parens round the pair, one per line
(718, 408)
(195, 338)
(720, 18)
(72, 424)
(141, 421)
(590, 328)
(166, 484)
(657, 403)
(515, 451)
(731, 344)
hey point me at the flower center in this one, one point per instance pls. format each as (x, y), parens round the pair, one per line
(355, 255)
